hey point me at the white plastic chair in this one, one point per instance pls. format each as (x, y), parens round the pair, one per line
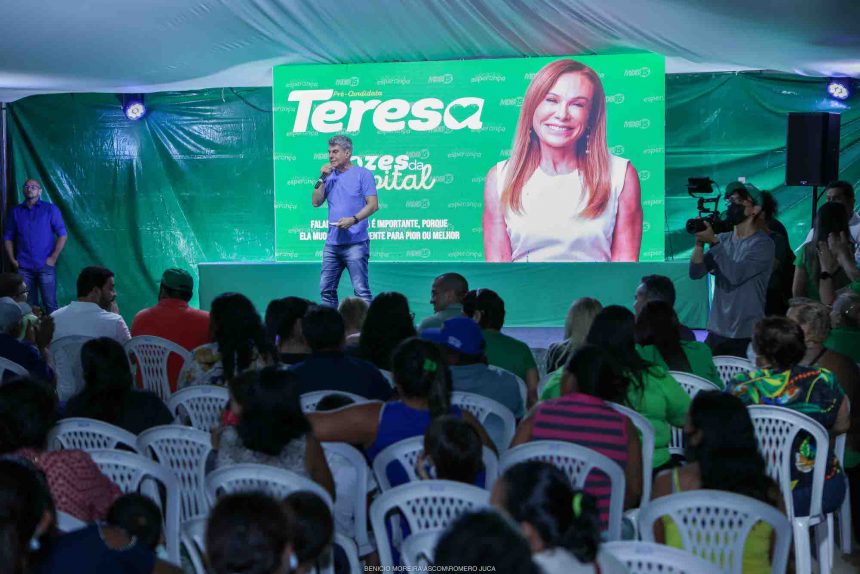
(193, 540)
(311, 399)
(199, 405)
(496, 418)
(714, 525)
(646, 437)
(183, 450)
(68, 523)
(417, 551)
(389, 376)
(406, 452)
(521, 384)
(692, 384)
(276, 482)
(776, 429)
(652, 558)
(89, 434)
(135, 473)
(7, 365)
(577, 462)
(539, 355)
(729, 366)
(359, 498)
(150, 354)
(65, 354)
(351, 550)
(425, 505)
(843, 515)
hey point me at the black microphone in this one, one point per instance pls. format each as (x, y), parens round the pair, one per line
(321, 180)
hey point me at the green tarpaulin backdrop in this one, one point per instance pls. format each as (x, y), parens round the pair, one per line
(193, 181)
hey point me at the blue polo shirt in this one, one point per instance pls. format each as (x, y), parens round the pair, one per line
(33, 230)
(345, 192)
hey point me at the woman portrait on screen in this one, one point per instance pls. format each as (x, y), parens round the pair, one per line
(562, 196)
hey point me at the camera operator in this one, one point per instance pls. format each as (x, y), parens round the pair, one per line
(741, 261)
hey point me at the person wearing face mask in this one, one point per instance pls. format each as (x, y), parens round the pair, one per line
(741, 262)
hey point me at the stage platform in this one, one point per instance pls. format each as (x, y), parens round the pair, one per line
(535, 294)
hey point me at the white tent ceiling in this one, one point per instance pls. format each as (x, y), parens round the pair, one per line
(155, 45)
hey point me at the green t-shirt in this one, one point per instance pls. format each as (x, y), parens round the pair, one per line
(845, 341)
(698, 355)
(508, 353)
(808, 259)
(662, 400)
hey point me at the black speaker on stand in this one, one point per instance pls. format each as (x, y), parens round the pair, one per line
(812, 151)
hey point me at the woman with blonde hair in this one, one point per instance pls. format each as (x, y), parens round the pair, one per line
(579, 318)
(562, 196)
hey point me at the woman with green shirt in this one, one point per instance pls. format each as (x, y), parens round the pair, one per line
(831, 219)
(648, 388)
(657, 333)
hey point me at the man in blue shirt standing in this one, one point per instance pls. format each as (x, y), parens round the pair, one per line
(351, 194)
(31, 246)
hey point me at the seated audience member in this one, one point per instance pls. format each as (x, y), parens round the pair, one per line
(345, 476)
(452, 451)
(814, 319)
(249, 533)
(576, 325)
(139, 516)
(23, 352)
(329, 368)
(423, 384)
(462, 342)
(172, 318)
(723, 455)
(845, 318)
(109, 394)
(354, 311)
(581, 416)
(95, 313)
(272, 428)
(13, 286)
(446, 296)
(487, 309)
(782, 381)
(313, 530)
(30, 539)
(659, 288)
(238, 343)
(657, 333)
(484, 539)
(831, 219)
(28, 517)
(389, 322)
(27, 413)
(284, 328)
(561, 525)
(646, 387)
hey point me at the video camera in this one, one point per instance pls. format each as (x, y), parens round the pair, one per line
(699, 188)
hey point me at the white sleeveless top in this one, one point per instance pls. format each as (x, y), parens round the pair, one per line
(550, 227)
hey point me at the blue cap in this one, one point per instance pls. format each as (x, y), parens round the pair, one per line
(460, 334)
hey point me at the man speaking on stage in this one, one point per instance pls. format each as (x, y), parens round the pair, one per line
(351, 194)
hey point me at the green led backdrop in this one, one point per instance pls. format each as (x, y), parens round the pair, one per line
(430, 131)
